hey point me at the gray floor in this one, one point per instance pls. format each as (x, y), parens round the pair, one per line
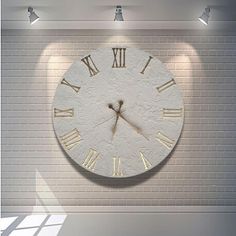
(123, 224)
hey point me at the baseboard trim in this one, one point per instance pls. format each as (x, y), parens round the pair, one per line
(6, 210)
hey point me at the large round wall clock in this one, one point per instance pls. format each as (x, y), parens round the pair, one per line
(118, 112)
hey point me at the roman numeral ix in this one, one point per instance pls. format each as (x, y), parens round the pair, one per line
(63, 113)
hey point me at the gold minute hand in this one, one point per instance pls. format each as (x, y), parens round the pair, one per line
(136, 128)
(130, 123)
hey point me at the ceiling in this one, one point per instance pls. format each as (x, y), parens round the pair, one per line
(100, 12)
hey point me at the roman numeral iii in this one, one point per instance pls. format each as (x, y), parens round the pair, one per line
(146, 65)
(119, 57)
(166, 86)
(70, 139)
(63, 113)
(91, 159)
(117, 171)
(93, 70)
(164, 140)
(172, 113)
(74, 87)
(146, 162)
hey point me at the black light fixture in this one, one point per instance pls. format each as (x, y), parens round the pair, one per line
(33, 17)
(205, 16)
(118, 14)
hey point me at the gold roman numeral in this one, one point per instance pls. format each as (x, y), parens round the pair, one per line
(146, 65)
(93, 70)
(91, 159)
(119, 57)
(63, 113)
(70, 139)
(166, 86)
(163, 139)
(117, 171)
(172, 113)
(147, 164)
(74, 87)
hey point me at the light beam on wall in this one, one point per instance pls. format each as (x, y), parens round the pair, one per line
(33, 17)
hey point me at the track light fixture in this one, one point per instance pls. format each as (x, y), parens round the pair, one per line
(33, 17)
(118, 14)
(205, 16)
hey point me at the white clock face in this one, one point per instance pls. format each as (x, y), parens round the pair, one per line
(118, 112)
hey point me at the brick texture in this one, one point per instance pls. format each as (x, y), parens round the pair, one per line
(201, 170)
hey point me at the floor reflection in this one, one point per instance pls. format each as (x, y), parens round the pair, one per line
(32, 225)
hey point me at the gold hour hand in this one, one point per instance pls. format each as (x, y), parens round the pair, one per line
(115, 125)
(114, 128)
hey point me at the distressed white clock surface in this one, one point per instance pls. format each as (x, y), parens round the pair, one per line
(150, 119)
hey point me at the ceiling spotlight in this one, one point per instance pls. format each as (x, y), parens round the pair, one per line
(118, 14)
(33, 17)
(205, 16)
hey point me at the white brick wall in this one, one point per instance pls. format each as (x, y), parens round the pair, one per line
(201, 170)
